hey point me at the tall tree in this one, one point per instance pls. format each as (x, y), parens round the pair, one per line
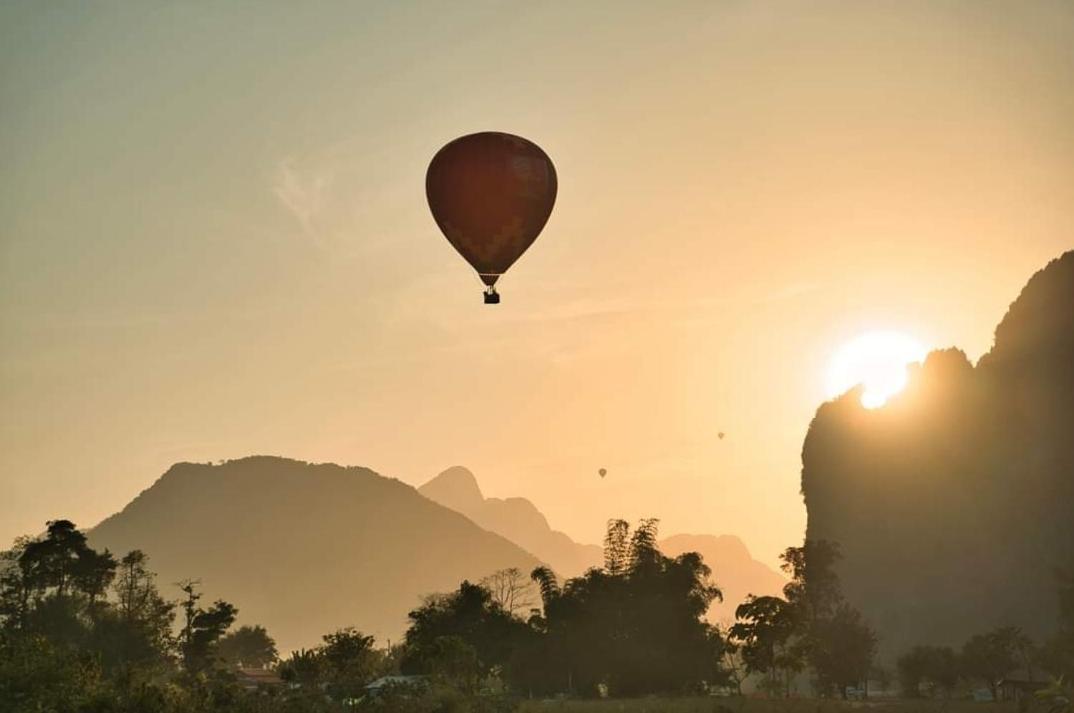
(842, 648)
(617, 547)
(766, 633)
(635, 626)
(93, 573)
(814, 587)
(247, 647)
(203, 628)
(511, 590)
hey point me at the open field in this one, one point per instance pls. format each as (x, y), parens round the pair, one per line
(754, 705)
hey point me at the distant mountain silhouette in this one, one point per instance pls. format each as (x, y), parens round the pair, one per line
(734, 569)
(954, 503)
(304, 549)
(519, 520)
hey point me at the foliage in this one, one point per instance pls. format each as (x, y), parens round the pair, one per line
(926, 670)
(247, 647)
(511, 590)
(468, 616)
(988, 657)
(636, 626)
(765, 632)
(811, 624)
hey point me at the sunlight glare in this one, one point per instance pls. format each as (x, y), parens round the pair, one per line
(877, 360)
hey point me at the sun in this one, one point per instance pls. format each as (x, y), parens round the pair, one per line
(877, 360)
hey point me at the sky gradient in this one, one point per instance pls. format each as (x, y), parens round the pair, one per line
(214, 240)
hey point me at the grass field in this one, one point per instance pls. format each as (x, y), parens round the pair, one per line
(754, 705)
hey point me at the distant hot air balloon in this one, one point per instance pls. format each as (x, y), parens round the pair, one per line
(491, 194)
(603, 472)
(720, 435)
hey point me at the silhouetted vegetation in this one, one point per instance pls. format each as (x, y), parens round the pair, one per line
(84, 631)
(988, 661)
(810, 626)
(81, 631)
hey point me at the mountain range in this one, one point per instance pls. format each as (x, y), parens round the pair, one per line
(304, 549)
(519, 520)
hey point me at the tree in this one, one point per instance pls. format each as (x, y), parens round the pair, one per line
(471, 614)
(39, 675)
(136, 631)
(52, 561)
(635, 626)
(93, 573)
(139, 602)
(16, 587)
(304, 667)
(765, 631)
(62, 563)
(928, 669)
(837, 642)
(189, 604)
(202, 628)
(991, 656)
(616, 547)
(451, 659)
(350, 661)
(511, 590)
(841, 650)
(547, 584)
(814, 588)
(247, 647)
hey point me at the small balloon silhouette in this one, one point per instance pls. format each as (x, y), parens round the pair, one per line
(720, 435)
(603, 472)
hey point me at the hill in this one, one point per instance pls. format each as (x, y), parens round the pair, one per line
(953, 502)
(304, 549)
(734, 569)
(519, 520)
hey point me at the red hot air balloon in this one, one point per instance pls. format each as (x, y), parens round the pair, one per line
(491, 194)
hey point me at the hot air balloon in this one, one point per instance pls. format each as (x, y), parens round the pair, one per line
(603, 472)
(491, 194)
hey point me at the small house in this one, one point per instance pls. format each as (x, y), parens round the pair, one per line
(253, 679)
(1021, 684)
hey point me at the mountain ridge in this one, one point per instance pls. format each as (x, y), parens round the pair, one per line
(303, 548)
(965, 478)
(520, 521)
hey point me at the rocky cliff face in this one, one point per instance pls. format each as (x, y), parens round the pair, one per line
(954, 503)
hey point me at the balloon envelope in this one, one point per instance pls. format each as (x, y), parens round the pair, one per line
(491, 194)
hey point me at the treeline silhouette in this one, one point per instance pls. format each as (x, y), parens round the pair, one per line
(82, 630)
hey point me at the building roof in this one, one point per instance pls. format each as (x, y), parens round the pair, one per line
(1024, 676)
(392, 681)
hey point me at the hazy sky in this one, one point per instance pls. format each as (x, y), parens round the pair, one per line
(214, 239)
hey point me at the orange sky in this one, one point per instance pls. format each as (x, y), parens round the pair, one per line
(214, 239)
